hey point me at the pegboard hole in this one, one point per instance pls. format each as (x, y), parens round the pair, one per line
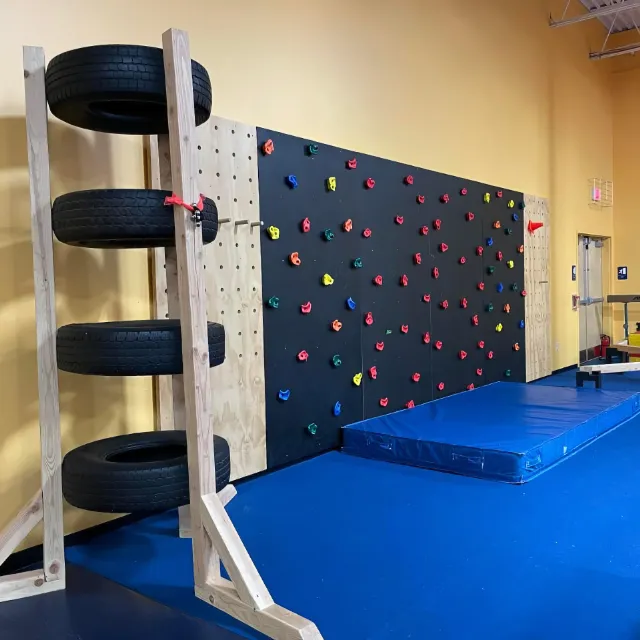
(218, 198)
(237, 266)
(250, 201)
(253, 246)
(254, 288)
(239, 355)
(221, 288)
(216, 127)
(239, 310)
(220, 244)
(255, 353)
(250, 179)
(239, 333)
(249, 157)
(234, 154)
(221, 267)
(254, 311)
(253, 267)
(217, 151)
(248, 135)
(199, 170)
(235, 199)
(233, 131)
(236, 244)
(217, 175)
(222, 312)
(238, 289)
(255, 333)
(234, 177)
(166, 315)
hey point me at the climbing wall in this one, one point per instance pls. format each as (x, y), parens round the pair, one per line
(383, 286)
(538, 302)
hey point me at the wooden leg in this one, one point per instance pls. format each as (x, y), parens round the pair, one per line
(29, 583)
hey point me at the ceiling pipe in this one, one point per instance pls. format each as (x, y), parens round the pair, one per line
(596, 13)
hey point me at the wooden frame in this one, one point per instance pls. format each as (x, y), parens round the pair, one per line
(46, 504)
(214, 537)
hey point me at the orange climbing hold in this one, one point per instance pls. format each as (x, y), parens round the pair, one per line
(516, 347)
(336, 325)
(268, 147)
(294, 259)
(347, 225)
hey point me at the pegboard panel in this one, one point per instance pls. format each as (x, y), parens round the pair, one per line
(228, 172)
(537, 281)
(395, 215)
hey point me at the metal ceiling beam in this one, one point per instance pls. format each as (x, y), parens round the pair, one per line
(596, 13)
(618, 51)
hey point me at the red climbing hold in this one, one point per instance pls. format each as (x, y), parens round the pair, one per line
(444, 198)
(444, 304)
(379, 346)
(480, 344)
(368, 318)
(410, 405)
(471, 387)
(417, 258)
(306, 307)
(438, 345)
(464, 303)
(498, 194)
(441, 386)
(463, 191)
(490, 355)
(303, 356)
(352, 164)
(480, 286)
(426, 297)
(443, 247)
(416, 377)
(479, 250)
(370, 183)
(404, 281)
(462, 355)
(437, 224)
(523, 293)
(478, 372)
(378, 280)
(404, 328)
(435, 272)
(373, 372)
(420, 199)
(470, 216)
(383, 402)
(367, 233)
(424, 231)
(499, 255)
(305, 225)
(426, 337)
(408, 179)
(399, 219)
(462, 260)
(475, 320)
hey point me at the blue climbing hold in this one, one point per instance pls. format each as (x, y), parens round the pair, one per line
(521, 324)
(284, 394)
(292, 181)
(351, 303)
(499, 287)
(514, 217)
(489, 242)
(337, 409)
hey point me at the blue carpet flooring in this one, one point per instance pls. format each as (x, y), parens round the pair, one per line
(371, 550)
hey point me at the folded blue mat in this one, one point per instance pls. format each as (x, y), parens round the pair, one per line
(503, 431)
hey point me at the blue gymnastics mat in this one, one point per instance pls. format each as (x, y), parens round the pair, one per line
(504, 431)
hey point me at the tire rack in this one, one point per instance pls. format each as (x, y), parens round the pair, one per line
(214, 538)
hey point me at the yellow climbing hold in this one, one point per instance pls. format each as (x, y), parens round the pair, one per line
(331, 184)
(327, 280)
(487, 197)
(357, 379)
(499, 327)
(511, 204)
(274, 232)
(510, 264)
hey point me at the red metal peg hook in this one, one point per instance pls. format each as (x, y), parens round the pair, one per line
(352, 164)
(379, 346)
(438, 345)
(410, 405)
(417, 258)
(437, 224)
(462, 355)
(378, 280)
(370, 183)
(305, 225)
(469, 216)
(367, 233)
(441, 386)
(444, 304)
(305, 308)
(475, 321)
(444, 198)
(464, 303)
(426, 337)
(383, 402)
(420, 199)
(442, 247)
(416, 377)
(480, 286)
(399, 219)
(404, 280)
(424, 231)
(408, 179)
(303, 356)
(426, 297)
(435, 272)
(480, 344)
(404, 328)
(373, 372)
(368, 318)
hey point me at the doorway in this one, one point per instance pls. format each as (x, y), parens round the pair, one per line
(592, 281)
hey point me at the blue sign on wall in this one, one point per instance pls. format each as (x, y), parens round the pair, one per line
(622, 273)
(573, 272)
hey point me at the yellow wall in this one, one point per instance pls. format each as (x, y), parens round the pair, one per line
(481, 90)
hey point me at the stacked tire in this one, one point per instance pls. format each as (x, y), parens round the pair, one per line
(121, 89)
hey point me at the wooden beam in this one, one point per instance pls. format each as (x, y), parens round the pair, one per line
(43, 275)
(227, 494)
(20, 527)
(233, 554)
(274, 621)
(193, 302)
(615, 367)
(29, 583)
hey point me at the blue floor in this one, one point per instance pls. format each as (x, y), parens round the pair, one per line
(371, 550)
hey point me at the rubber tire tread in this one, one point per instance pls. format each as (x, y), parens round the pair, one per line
(122, 219)
(93, 483)
(130, 348)
(77, 80)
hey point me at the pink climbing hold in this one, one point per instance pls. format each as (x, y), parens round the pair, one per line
(469, 216)
(441, 386)
(443, 247)
(420, 199)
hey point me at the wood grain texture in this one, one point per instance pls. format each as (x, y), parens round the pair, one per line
(537, 256)
(274, 621)
(193, 303)
(44, 283)
(29, 583)
(20, 527)
(227, 158)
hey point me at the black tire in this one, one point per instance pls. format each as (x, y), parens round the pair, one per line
(129, 348)
(139, 472)
(118, 89)
(122, 219)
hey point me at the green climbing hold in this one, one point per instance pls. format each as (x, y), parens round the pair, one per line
(313, 149)
(357, 263)
(388, 331)
(514, 287)
(508, 231)
(274, 302)
(328, 235)
(312, 428)
(336, 361)
(490, 270)
(489, 307)
(507, 373)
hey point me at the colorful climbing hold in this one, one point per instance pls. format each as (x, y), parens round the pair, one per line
(370, 183)
(462, 260)
(479, 250)
(523, 293)
(499, 327)
(357, 263)
(490, 270)
(294, 259)
(475, 321)
(499, 255)
(351, 304)
(521, 205)
(404, 328)
(469, 216)
(268, 147)
(435, 272)
(303, 356)
(367, 233)
(510, 264)
(347, 225)
(328, 235)
(292, 181)
(442, 247)
(521, 324)
(420, 199)
(444, 198)
(373, 372)
(499, 287)
(480, 286)
(273, 302)
(336, 325)
(305, 308)
(489, 307)
(399, 219)
(437, 223)
(521, 248)
(352, 164)
(273, 232)
(327, 280)
(312, 428)
(508, 231)
(313, 149)
(464, 303)
(514, 286)
(444, 304)
(378, 280)
(496, 224)
(426, 297)
(357, 379)
(426, 337)
(463, 191)
(383, 402)
(516, 347)
(337, 409)
(404, 280)
(368, 318)
(417, 258)
(441, 386)
(336, 361)
(388, 332)
(424, 231)
(416, 377)
(480, 344)
(498, 194)
(507, 373)
(408, 179)
(514, 217)
(471, 387)
(284, 394)
(511, 204)
(438, 345)
(305, 225)
(489, 242)
(410, 405)
(489, 355)
(507, 308)
(332, 183)
(478, 372)
(462, 355)
(379, 346)
(487, 198)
